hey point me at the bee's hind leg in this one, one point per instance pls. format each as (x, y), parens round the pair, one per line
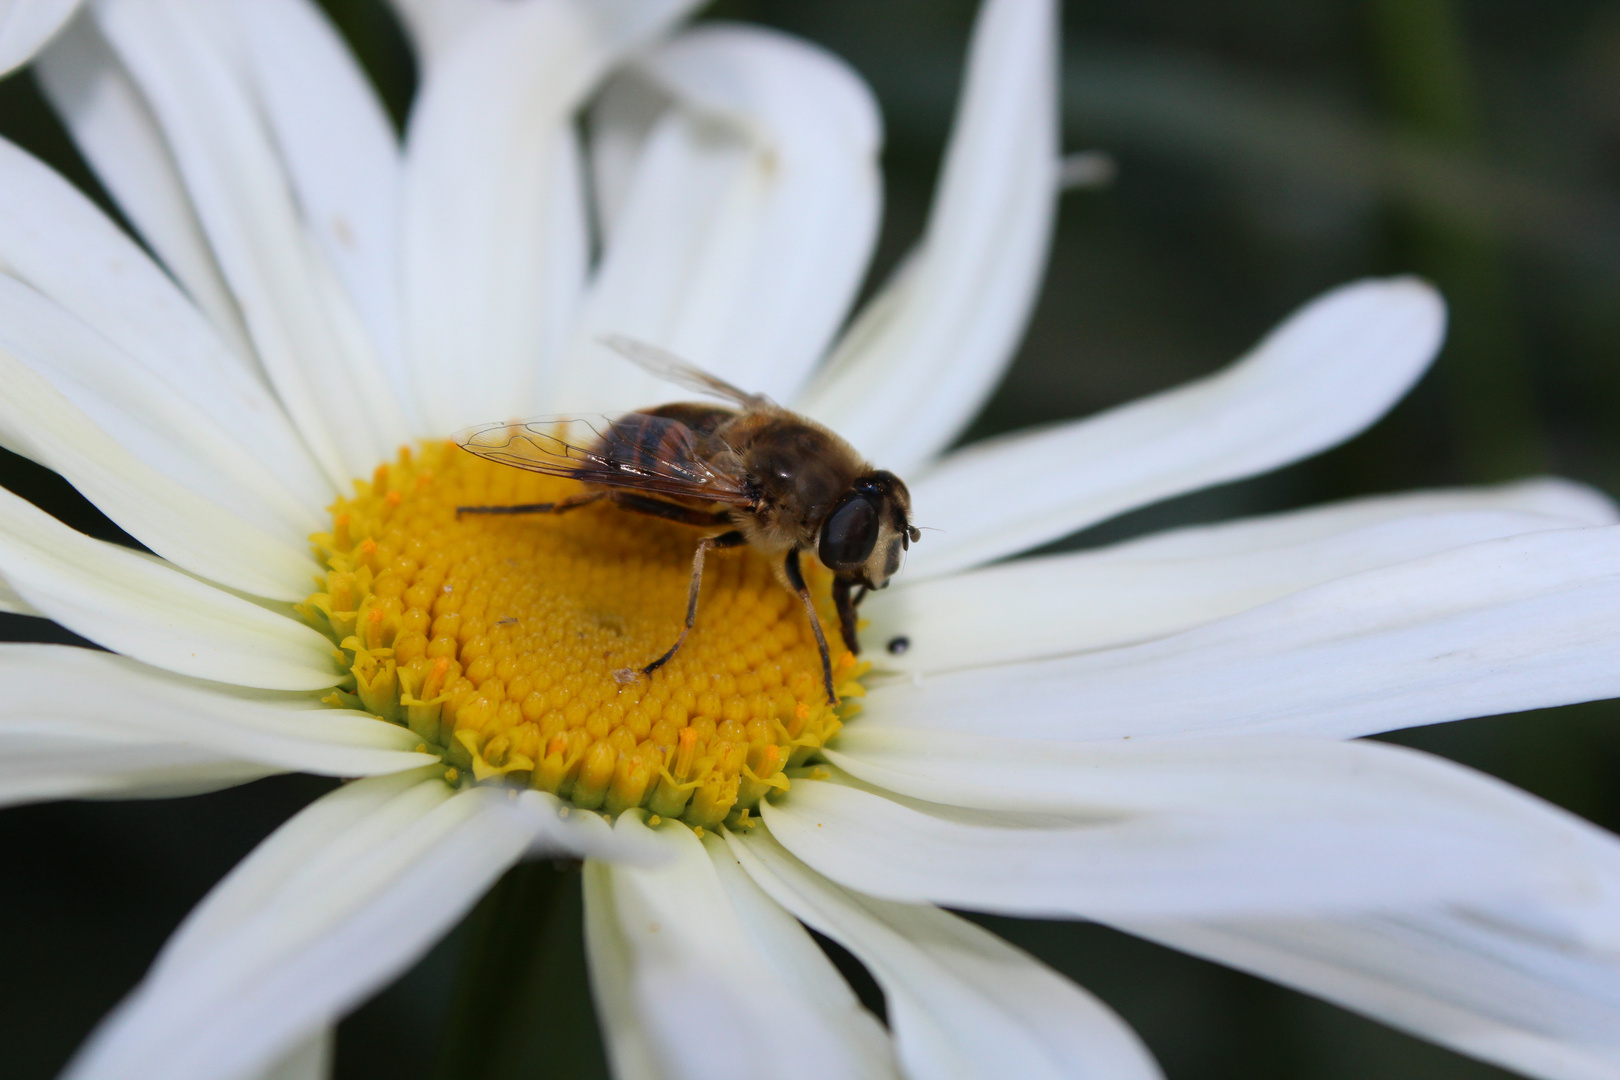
(624, 500)
(724, 540)
(795, 578)
(561, 506)
(658, 508)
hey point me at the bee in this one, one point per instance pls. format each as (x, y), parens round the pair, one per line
(755, 473)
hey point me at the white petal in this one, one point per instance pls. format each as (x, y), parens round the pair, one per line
(434, 24)
(56, 240)
(311, 1060)
(342, 158)
(306, 333)
(1103, 783)
(799, 962)
(962, 1003)
(43, 767)
(1522, 622)
(116, 132)
(920, 360)
(144, 608)
(1161, 584)
(747, 222)
(1326, 373)
(1482, 982)
(14, 604)
(148, 417)
(495, 239)
(1549, 497)
(340, 829)
(188, 530)
(698, 930)
(1272, 827)
(617, 124)
(572, 833)
(90, 724)
(25, 25)
(337, 901)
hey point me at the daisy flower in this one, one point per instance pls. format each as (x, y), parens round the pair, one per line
(1156, 735)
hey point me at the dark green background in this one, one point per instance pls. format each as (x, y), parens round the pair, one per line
(1267, 149)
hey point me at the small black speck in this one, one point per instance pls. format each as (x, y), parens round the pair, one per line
(898, 645)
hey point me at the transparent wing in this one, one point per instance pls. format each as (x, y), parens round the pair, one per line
(671, 368)
(654, 454)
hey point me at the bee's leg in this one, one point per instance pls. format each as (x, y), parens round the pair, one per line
(846, 613)
(724, 540)
(658, 508)
(795, 578)
(562, 506)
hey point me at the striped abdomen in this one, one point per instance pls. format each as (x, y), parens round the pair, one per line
(658, 442)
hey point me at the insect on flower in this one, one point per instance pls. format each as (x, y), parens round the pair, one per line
(764, 475)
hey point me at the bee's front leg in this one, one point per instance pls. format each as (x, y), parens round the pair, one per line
(795, 577)
(846, 612)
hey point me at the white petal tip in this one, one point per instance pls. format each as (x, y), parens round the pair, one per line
(1407, 299)
(28, 26)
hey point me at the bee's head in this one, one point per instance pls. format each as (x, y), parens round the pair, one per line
(862, 538)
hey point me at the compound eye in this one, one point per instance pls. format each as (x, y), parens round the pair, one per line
(850, 533)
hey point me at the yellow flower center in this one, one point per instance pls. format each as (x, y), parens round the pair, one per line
(496, 638)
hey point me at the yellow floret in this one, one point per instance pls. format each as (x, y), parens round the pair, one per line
(495, 639)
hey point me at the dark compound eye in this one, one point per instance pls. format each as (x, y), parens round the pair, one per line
(898, 645)
(850, 533)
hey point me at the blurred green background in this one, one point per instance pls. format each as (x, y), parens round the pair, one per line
(1266, 150)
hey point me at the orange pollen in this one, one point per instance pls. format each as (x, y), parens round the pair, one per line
(496, 639)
